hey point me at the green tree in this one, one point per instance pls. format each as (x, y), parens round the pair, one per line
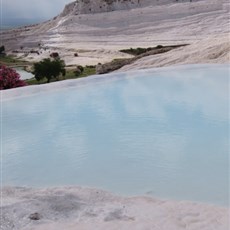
(49, 69)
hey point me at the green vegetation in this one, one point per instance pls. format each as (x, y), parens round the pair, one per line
(136, 51)
(33, 81)
(87, 71)
(10, 60)
(49, 69)
(70, 74)
(139, 51)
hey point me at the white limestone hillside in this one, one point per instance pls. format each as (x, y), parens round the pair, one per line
(97, 35)
(99, 6)
(210, 50)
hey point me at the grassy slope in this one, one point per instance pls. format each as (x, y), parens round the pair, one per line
(12, 61)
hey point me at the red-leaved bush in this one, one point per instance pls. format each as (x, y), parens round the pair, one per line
(9, 78)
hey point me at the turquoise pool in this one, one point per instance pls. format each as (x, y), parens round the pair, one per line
(162, 132)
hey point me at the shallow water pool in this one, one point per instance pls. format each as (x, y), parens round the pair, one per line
(157, 132)
(24, 75)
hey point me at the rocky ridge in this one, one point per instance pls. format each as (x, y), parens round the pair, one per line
(98, 6)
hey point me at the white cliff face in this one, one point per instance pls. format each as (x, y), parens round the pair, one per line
(99, 6)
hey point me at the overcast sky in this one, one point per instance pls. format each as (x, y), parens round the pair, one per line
(32, 8)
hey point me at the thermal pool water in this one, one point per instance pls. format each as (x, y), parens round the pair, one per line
(162, 132)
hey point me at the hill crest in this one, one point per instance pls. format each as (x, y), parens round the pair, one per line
(99, 6)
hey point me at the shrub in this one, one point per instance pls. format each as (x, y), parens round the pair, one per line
(54, 55)
(78, 70)
(81, 68)
(159, 46)
(9, 78)
(90, 66)
(136, 51)
(2, 49)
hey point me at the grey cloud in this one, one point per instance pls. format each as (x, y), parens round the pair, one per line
(32, 8)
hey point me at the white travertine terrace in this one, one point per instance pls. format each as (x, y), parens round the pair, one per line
(74, 208)
(98, 36)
